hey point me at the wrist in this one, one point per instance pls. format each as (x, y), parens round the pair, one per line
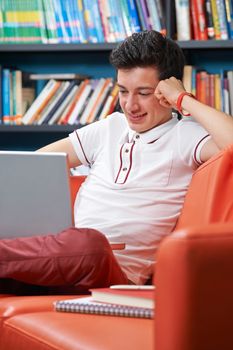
(179, 102)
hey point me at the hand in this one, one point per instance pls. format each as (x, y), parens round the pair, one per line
(167, 92)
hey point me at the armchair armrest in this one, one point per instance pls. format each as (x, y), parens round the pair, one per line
(194, 289)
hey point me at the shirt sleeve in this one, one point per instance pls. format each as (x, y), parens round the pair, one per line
(192, 137)
(88, 140)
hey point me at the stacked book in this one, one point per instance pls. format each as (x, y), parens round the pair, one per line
(125, 301)
(73, 102)
(72, 21)
(55, 98)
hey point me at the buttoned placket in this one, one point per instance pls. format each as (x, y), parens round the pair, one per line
(126, 159)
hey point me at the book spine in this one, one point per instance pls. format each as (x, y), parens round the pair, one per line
(183, 19)
(146, 14)
(62, 34)
(50, 21)
(133, 16)
(209, 20)
(216, 19)
(155, 20)
(83, 97)
(161, 14)
(141, 15)
(37, 102)
(86, 114)
(230, 85)
(201, 20)
(217, 92)
(89, 20)
(60, 100)
(194, 16)
(125, 17)
(66, 101)
(81, 21)
(117, 23)
(6, 95)
(222, 19)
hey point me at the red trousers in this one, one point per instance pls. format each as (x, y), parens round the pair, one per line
(70, 262)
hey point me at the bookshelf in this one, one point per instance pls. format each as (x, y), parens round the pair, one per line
(50, 58)
(92, 59)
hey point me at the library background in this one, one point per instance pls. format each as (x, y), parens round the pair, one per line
(54, 59)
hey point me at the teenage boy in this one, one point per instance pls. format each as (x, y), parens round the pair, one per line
(141, 162)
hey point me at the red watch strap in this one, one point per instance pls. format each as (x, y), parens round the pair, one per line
(179, 102)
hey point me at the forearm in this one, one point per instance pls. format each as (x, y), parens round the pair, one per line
(218, 124)
(63, 145)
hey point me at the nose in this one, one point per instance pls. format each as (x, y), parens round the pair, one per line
(132, 104)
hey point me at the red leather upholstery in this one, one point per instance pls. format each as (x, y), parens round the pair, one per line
(210, 198)
(63, 331)
(194, 275)
(194, 299)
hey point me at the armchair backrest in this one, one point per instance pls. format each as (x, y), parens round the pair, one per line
(210, 195)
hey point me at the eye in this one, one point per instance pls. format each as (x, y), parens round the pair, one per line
(145, 93)
(123, 92)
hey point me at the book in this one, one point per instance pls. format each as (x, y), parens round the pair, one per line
(221, 12)
(154, 15)
(67, 100)
(229, 16)
(183, 19)
(80, 100)
(5, 92)
(187, 77)
(98, 84)
(40, 102)
(127, 297)
(215, 19)
(57, 76)
(87, 305)
(209, 20)
(199, 19)
(60, 100)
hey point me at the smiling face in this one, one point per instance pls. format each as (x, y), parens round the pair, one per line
(137, 100)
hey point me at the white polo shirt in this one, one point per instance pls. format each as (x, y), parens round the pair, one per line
(136, 186)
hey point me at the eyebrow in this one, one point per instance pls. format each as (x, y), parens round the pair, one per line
(138, 88)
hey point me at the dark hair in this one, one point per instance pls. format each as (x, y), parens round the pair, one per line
(149, 48)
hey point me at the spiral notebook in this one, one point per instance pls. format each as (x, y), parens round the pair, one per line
(88, 305)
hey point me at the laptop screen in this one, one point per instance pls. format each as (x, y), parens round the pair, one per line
(34, 193)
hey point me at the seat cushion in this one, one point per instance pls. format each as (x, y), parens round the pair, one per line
(71, 331)
(14, 305)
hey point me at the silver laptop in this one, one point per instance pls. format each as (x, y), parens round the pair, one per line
(35, 194)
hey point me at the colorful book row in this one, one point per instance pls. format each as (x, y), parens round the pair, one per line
(77, 21)
(204, 19)
(74, 101)
(215, 90)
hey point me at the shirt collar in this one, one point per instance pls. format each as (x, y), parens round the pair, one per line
(154, 134)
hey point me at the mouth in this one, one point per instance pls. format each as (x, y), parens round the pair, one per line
(136, 118)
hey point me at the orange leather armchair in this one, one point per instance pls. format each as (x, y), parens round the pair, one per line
(193, 278)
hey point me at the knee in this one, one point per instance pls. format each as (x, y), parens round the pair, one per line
(82, 241)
